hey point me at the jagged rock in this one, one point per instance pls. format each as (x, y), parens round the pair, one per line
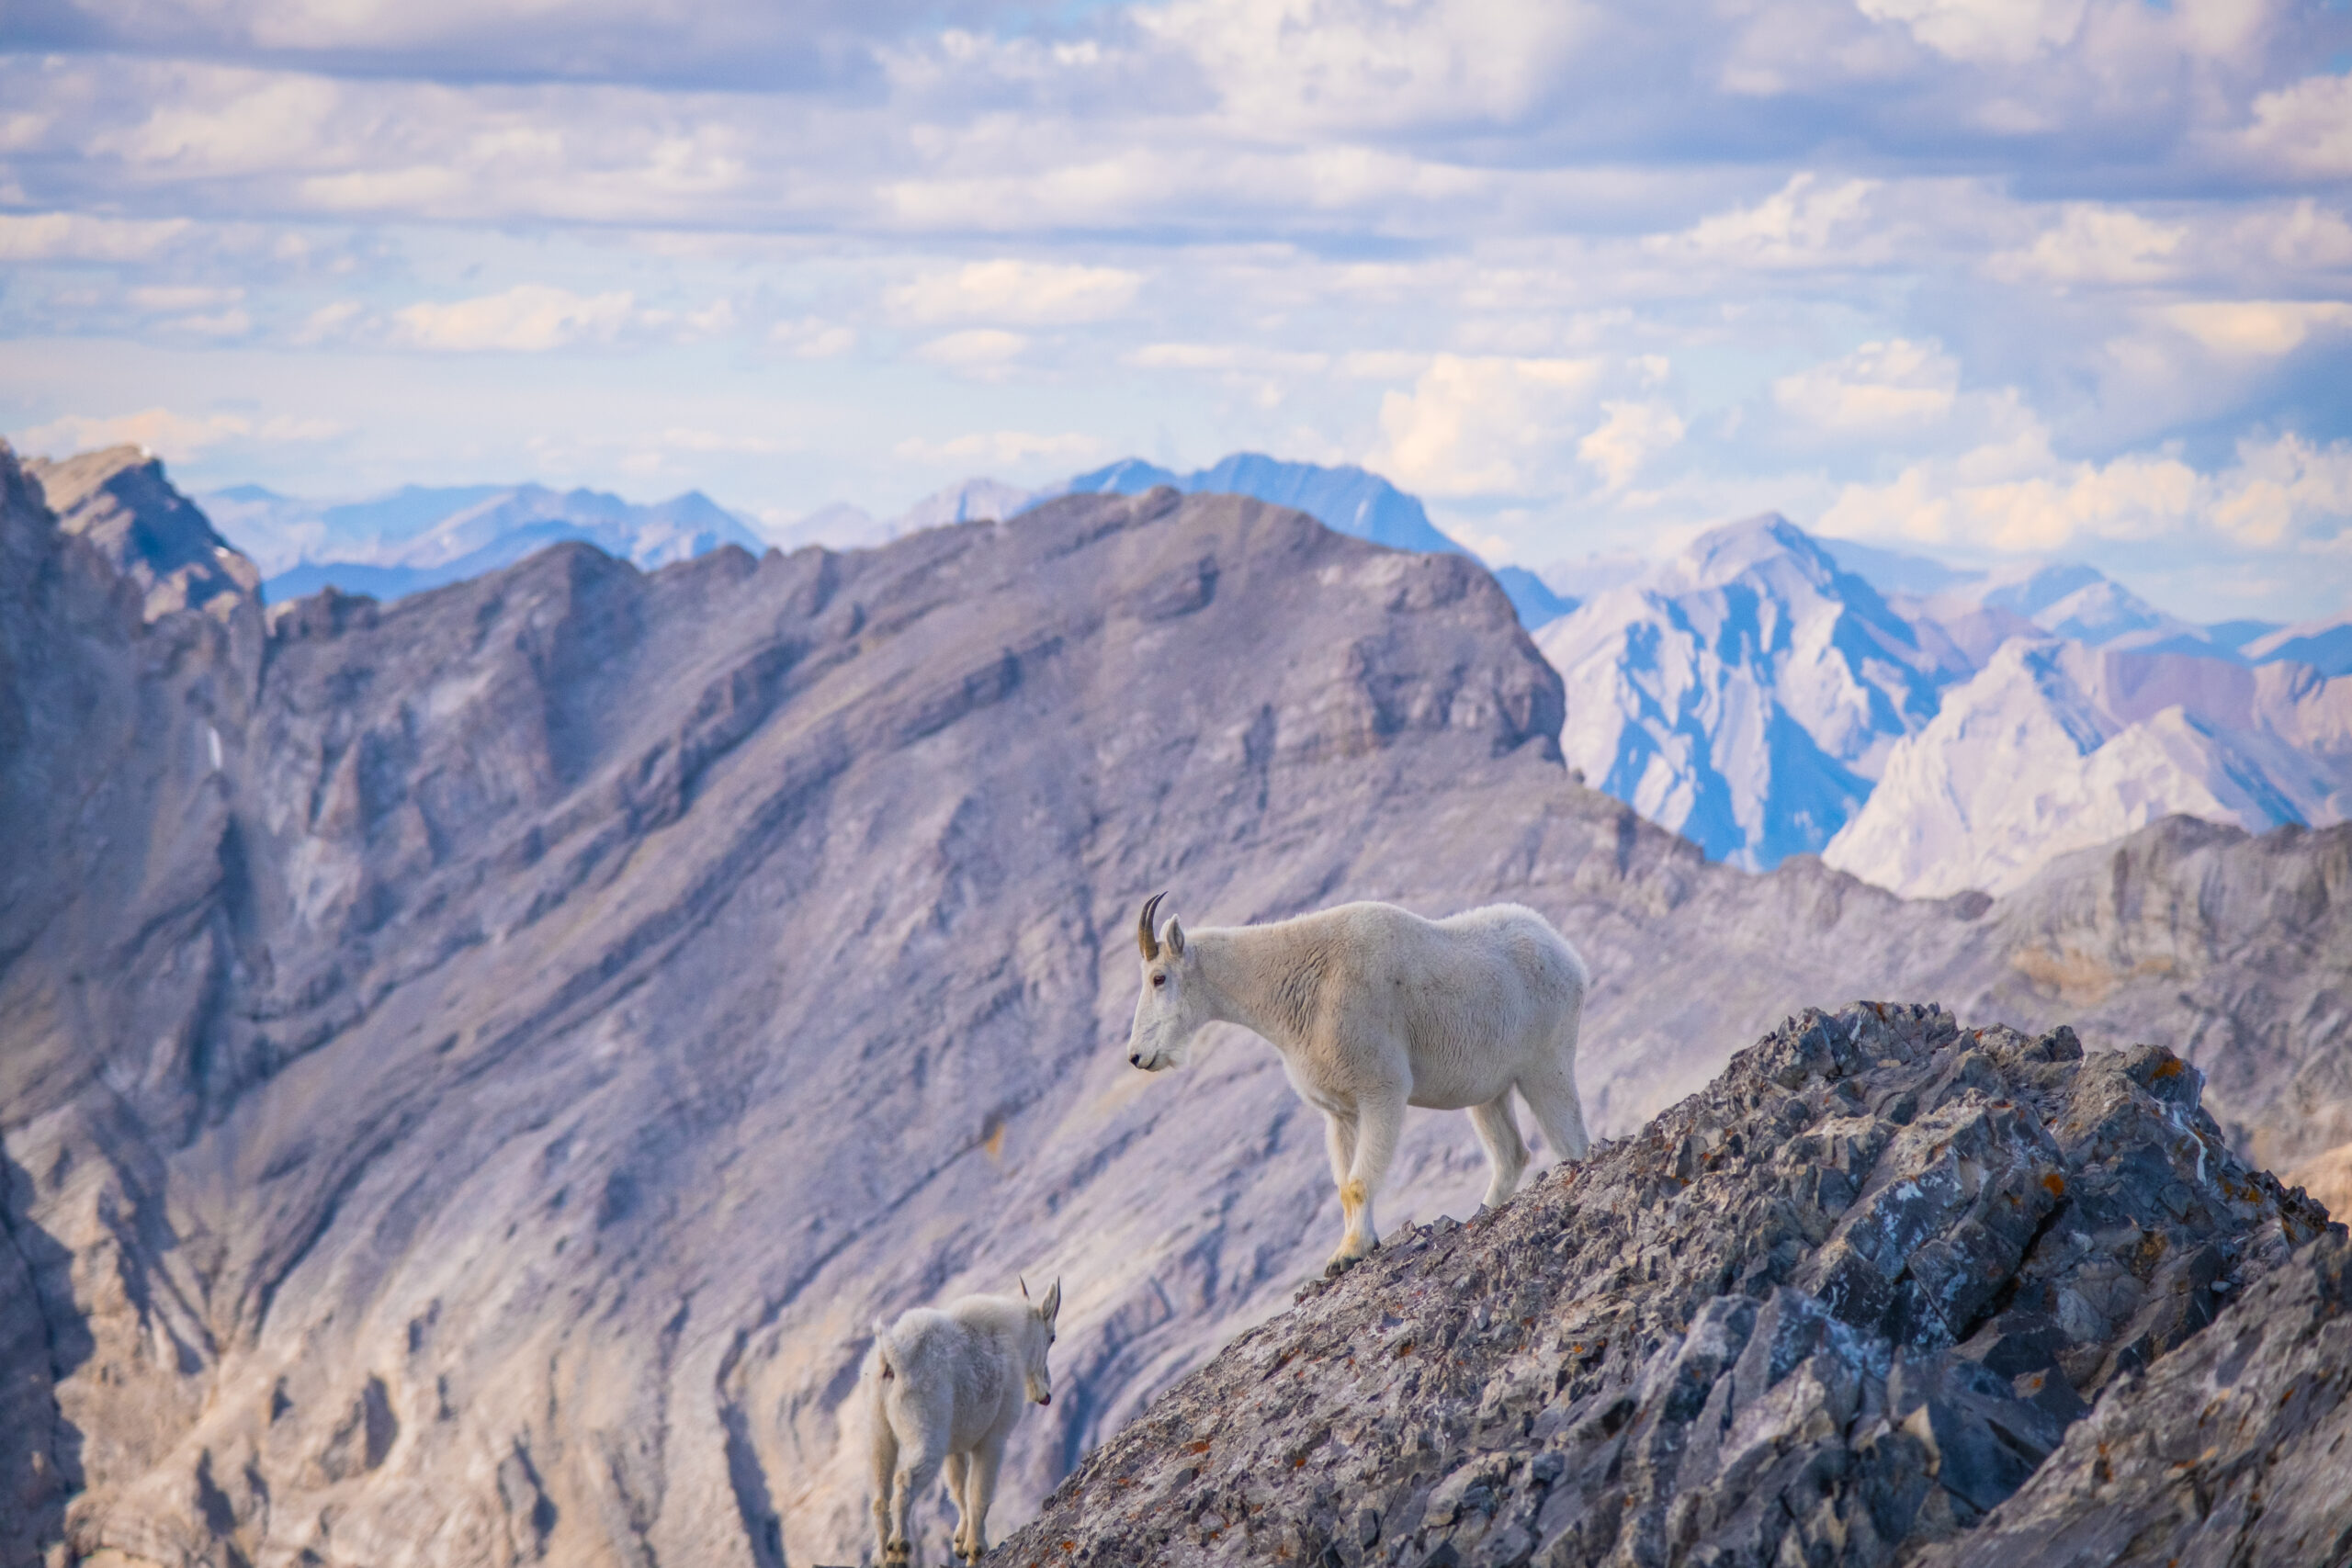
(2328, 1178)
(1840, 1303)
(120, 501)
(2233, 1449)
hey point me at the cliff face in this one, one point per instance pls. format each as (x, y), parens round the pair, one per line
(120, 501)
(1837, 1306)
(475, 1067)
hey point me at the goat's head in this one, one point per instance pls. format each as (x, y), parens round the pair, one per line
(1037, 1380)
(1174, 1004)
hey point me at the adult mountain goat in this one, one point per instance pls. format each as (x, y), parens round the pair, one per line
(1372, 1009)
(946, 1388)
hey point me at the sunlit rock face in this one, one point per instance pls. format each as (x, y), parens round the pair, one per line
(120, 501)
(1745, 693)
(2055, 746)
(477, 1066)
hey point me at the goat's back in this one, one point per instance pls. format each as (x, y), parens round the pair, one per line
(958, 1369)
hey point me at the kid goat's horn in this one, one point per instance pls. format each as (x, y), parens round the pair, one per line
(1144, 939)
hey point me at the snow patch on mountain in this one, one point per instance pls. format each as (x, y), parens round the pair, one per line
(2057, 746)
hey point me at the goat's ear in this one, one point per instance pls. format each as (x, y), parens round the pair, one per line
(1175, 938)
(1051, 1308)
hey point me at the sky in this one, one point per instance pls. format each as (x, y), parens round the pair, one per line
(1982, 278)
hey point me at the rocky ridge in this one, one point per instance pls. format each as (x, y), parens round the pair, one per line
(120, 502)
(1838, 1305)
(478, 1064)
(2230, 1450)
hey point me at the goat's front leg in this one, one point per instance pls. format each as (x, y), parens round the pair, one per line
(1379, 1122)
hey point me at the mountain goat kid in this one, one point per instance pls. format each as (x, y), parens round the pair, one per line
(1372, 1009)
(947, 1388)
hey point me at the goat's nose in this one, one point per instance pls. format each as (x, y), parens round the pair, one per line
(1135, 1058)
(1045, 1399)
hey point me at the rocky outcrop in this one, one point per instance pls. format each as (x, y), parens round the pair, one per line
(1841, 1304)
(477, 1065)
(120, 501)
(2230, 1451)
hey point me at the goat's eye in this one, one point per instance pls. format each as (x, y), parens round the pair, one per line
(1159, 979)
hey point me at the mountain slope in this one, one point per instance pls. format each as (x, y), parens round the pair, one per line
(1745, 693)
(478, 1064)
(120, 501)
(2054, 746)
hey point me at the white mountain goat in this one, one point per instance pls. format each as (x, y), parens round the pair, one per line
(1374, 1009)
(946, 1388)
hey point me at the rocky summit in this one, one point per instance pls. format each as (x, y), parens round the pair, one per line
(1839, 1305)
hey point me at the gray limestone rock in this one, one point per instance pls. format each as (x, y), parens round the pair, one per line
(2233, 1449)
(120, 501)
(1840, 1303)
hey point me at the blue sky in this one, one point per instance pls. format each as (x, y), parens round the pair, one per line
(1986, 277)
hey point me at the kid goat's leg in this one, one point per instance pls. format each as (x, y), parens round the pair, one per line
(884, 1466)
(1379, 1122)
(959, 1467)
(980, 1492)
(1506, 1151)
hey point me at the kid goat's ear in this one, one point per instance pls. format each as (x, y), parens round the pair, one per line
(1053, 1304)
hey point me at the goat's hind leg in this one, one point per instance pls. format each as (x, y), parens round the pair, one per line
(959, 1467)
(1552, 1095)
(980, 1491)
(1505, 1150)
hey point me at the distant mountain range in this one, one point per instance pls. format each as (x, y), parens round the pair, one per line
(420, 536)
(1763, 692)
(1766, 693)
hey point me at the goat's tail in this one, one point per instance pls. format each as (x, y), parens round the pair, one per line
(885, 1364)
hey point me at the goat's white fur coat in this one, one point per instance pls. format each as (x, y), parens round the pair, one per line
(1372, 1009)
(945, 1389)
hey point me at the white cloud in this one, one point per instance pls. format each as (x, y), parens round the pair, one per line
(1364, 65)
(981, 351)
(76, 236)
(1001, 449)
(169, 433)
(1878, 388)
(530, 318)
(1806, 222)
(2007, 32)
(2093, 243)
(811, 337)
(2019, 498)
(2256, 328)
(1630, 437)
(2305, 128)
(1025, 292)
(1483, 426)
